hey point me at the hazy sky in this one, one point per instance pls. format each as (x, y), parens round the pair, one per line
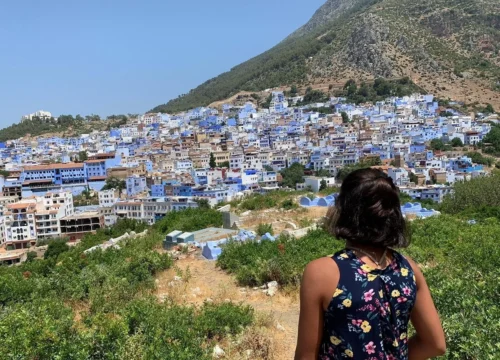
(109, 57)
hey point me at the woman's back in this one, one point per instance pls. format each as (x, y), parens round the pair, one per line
(358, 306)
(368, 315)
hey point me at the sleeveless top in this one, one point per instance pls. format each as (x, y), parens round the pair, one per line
(368, 315)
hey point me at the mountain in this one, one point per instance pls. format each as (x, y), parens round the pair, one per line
(448, 47)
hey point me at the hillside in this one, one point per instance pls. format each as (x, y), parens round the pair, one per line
(65, 126)
(448, 47)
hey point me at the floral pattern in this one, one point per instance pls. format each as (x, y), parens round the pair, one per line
(368, 315)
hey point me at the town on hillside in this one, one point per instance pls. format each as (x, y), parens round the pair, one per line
(155, 163)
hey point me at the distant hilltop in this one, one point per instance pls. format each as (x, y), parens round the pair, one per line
(41, 114)
(449, 48)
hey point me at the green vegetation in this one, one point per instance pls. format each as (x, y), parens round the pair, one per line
(313, 96)
(263, 228)
(101, 305)
(56, 248)
(212, 162)
(474, 195)
(345, 117)
(284, 260)
(86, 198)
(293, 175)
(278, 198)
(456, 142)
(114, 183)
(461, 264)
(493, 139)
(378, 91)
(191, 219)
(478, 158)
(323, 185)
(65, 123)
(438, 144)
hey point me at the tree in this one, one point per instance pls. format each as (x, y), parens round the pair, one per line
(345, 117)
(82, 156)
(31, 256)
(268, 168)
(437, 144)
(114, 183)
(203, 203)
(322, 173)
(323, 185)
(489, 109)
(456, 142)
(55, 248)
(212, 162)
(293, 175)
(446, 114)
(225, 164)
(293, 90)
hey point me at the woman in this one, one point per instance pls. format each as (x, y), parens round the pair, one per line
(357, 304)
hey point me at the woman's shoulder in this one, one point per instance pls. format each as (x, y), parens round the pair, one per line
(321, 271)
(321, 277)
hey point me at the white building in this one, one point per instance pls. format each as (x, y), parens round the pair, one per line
(44, 115)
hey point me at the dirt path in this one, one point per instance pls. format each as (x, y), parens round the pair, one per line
(205, 281)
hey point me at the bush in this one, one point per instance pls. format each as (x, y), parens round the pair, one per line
(264, 228)
(55, 248)
(100, 305)
(255, 263)
(191, 219)
(289, 204)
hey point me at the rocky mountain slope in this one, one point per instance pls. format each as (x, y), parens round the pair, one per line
(448, 47)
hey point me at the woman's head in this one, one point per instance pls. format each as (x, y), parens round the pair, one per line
(368, 211)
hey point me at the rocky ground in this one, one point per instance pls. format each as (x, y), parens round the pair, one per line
(195, 280)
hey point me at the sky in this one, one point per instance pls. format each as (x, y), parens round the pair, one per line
(118, 56)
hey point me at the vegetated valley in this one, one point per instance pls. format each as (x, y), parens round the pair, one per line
(104, 304)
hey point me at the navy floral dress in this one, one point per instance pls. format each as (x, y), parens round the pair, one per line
(368, 315)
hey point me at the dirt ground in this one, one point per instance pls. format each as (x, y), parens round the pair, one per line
(283, 219)
(202, 281)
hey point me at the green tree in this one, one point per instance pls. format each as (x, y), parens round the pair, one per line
(489, 109)
(437, 144)
(225, 164)
(456, 142)
(293, 175)
(345, 117)
(55, 248)
(114, 183)
(268, 168)
(322, 173)
(203, 203)
(82, 156)
(212, 163)
(293, 90)
(31, 256)
(323, 185)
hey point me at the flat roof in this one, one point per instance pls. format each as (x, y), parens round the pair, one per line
(174, 233)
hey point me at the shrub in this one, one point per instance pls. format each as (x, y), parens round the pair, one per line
(56, 248)
(191, 219)
(264, 228)
(289, 204)
(100, 305)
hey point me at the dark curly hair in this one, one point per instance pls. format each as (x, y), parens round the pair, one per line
(368, 211)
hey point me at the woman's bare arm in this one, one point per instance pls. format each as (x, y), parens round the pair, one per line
(429, 341)
(318, 285)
